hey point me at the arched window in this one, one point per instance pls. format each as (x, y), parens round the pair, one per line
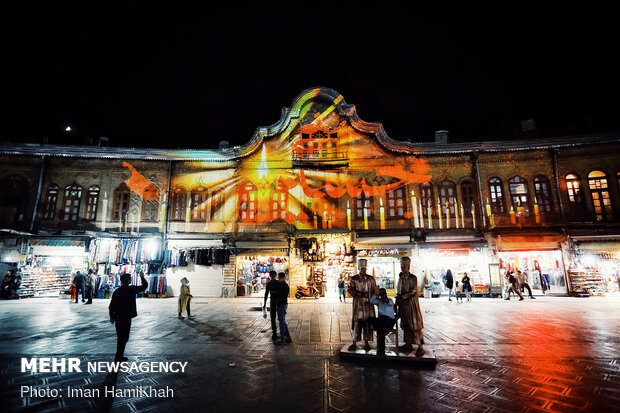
(279, 200)
(573, 187)
(217, 206)
(150, 204)
(92, 202)
(121, 203)
(467, 196)
(519, 194)
(248, 202)
(178, 204)
(396, 203)
(597, 181)
(71, 203)
(498, 205)
(363, 203)
(447, 196)
(51, 197)
(199, 204)
(542, 192)
(426, 197)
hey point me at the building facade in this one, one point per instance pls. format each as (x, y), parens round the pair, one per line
(307, 196)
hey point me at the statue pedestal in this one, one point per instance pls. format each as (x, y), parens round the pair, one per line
(428, 359)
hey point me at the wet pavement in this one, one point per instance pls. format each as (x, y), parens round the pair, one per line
(548, 354)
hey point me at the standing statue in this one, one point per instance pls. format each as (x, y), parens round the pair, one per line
(409, 309)
(361, 287)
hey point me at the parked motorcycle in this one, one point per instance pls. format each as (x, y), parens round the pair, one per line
(309, 291)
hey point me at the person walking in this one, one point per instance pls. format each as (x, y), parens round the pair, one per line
(466, 286)
(342, 289)
(449, 283)
(184, 299)
(282, 306)
(385, 320)
(272, 289)
(122, 309)
(512, 286)
(522, 280)
(90, 286)
(79, 280)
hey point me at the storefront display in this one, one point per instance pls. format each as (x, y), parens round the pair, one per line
(543, 269)
(49, 272)
(435, 262)
(253, 271)
(595, 273)
(384, 265)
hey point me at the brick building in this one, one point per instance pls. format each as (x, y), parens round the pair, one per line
(306, 196)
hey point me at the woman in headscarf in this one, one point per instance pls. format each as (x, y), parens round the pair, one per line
(184, 299)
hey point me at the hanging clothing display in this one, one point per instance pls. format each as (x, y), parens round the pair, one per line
(199, 256)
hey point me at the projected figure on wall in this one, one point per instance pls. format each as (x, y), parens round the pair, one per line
(409, 309)
(361, 287)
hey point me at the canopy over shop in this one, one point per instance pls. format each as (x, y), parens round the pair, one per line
(594, 265)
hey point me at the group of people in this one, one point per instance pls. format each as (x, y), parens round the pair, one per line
(516, 283)
(85, 284)
(277, 290)
(10, 285)
(366, 294)
(464, 288)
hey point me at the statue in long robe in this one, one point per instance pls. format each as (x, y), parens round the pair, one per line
(361, 287)
(409, 309)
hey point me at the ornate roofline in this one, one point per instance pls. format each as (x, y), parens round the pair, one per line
(288, 115)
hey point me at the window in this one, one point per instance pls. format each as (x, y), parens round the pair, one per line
(217, 206)
(497, 196)
(51, 196)
(542, 192)
(178, 204)
(199, 204)
(150, 204)
(71, 203)
(447, 196)
(248, 203)
(519, 194)
(426, 196)
(92, 202)
(597, 181)
(575, 199)
(121, 203)
(467, 196)
(396, 203)
(279, 199)
(364, 202)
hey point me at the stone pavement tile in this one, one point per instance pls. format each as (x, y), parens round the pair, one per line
(576, 402)
(525, 400)
(498, 403)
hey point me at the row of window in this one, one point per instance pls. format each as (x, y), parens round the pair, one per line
(197, 200)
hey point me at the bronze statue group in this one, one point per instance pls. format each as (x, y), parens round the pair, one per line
(366, 295)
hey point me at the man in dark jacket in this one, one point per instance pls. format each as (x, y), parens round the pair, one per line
(123, 309)
(272, 289)
(90, 286)
(79, 280)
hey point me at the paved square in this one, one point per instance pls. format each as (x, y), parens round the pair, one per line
(548, 354)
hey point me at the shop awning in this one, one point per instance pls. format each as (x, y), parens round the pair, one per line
(399, 241)
(57, 242)
(261, 244)
(529, 243)
(195, 243)
(599, 246)
(59, 251)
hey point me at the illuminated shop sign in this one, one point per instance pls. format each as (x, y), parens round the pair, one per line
(453, 252)
(395, 252)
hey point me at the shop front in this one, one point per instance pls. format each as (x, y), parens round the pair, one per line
(320, 260)
(109, 257)
(253, 267)
(594, 267)
(539, 258)
(436, 260)
(384, 265)
(201, 261)
(48, 266)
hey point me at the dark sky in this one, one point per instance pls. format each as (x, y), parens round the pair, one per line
(189, 77)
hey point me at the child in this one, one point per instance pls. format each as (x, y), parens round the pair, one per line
(386, 319)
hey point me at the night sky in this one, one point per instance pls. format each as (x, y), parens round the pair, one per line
(190, 77)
